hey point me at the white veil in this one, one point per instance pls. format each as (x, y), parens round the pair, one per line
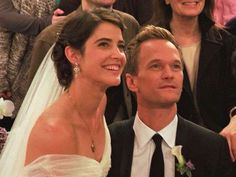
(43, 91)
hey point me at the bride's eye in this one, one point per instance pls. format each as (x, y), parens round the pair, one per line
(103, 44)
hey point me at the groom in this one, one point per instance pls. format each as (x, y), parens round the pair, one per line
(155, 74)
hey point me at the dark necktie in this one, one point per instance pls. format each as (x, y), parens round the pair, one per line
(157, 164)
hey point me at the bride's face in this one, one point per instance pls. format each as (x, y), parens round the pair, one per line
(104, 58)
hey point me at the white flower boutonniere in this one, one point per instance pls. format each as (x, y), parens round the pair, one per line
(182, 166)
(6, 108)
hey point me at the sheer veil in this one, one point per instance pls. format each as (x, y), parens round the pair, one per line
(42, 92)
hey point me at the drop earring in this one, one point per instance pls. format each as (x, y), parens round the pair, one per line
(76, 69)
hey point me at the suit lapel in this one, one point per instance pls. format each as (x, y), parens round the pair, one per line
(127, 152)
(181, 132)
(181, 140)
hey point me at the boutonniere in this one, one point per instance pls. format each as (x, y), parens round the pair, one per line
(182, 166)
(6, 108)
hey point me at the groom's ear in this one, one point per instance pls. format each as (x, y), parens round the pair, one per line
(73, 55)
(131, 82)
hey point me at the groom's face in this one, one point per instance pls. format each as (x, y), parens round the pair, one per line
(159, 77)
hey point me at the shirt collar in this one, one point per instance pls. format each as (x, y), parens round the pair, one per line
(144, 134)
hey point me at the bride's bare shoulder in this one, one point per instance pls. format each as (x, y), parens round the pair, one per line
(54, 117)
(53, 121)
(51, 134)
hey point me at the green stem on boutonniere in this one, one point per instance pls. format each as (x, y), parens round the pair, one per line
(182, 166)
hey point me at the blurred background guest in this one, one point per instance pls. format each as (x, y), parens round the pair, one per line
(224, 10)
(141, 10)
(15, 48)
(16, 16)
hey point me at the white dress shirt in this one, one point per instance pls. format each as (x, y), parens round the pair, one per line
(144, 148)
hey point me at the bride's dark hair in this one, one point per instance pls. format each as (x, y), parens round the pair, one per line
(75, 33)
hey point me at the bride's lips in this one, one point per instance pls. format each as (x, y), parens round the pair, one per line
(113, 67)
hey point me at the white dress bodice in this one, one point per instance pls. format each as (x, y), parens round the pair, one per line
(58, 165)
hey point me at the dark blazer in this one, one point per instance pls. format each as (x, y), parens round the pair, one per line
(207, 150)
(215, 89)
(231, 26)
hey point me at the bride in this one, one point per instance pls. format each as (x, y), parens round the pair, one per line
(70, 138)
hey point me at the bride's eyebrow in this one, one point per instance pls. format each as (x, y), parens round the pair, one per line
(108, 40)
(103, 39)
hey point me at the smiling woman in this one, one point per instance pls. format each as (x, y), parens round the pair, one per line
(70, 137)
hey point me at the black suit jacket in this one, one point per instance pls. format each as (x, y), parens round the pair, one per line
(207, 150)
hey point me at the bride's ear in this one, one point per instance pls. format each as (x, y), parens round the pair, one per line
(73, 55)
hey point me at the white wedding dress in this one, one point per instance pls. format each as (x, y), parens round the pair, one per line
(43, 91)
(70, 165)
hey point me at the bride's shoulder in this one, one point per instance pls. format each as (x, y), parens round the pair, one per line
(51, 121)
(54, 117)
(50, 135)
